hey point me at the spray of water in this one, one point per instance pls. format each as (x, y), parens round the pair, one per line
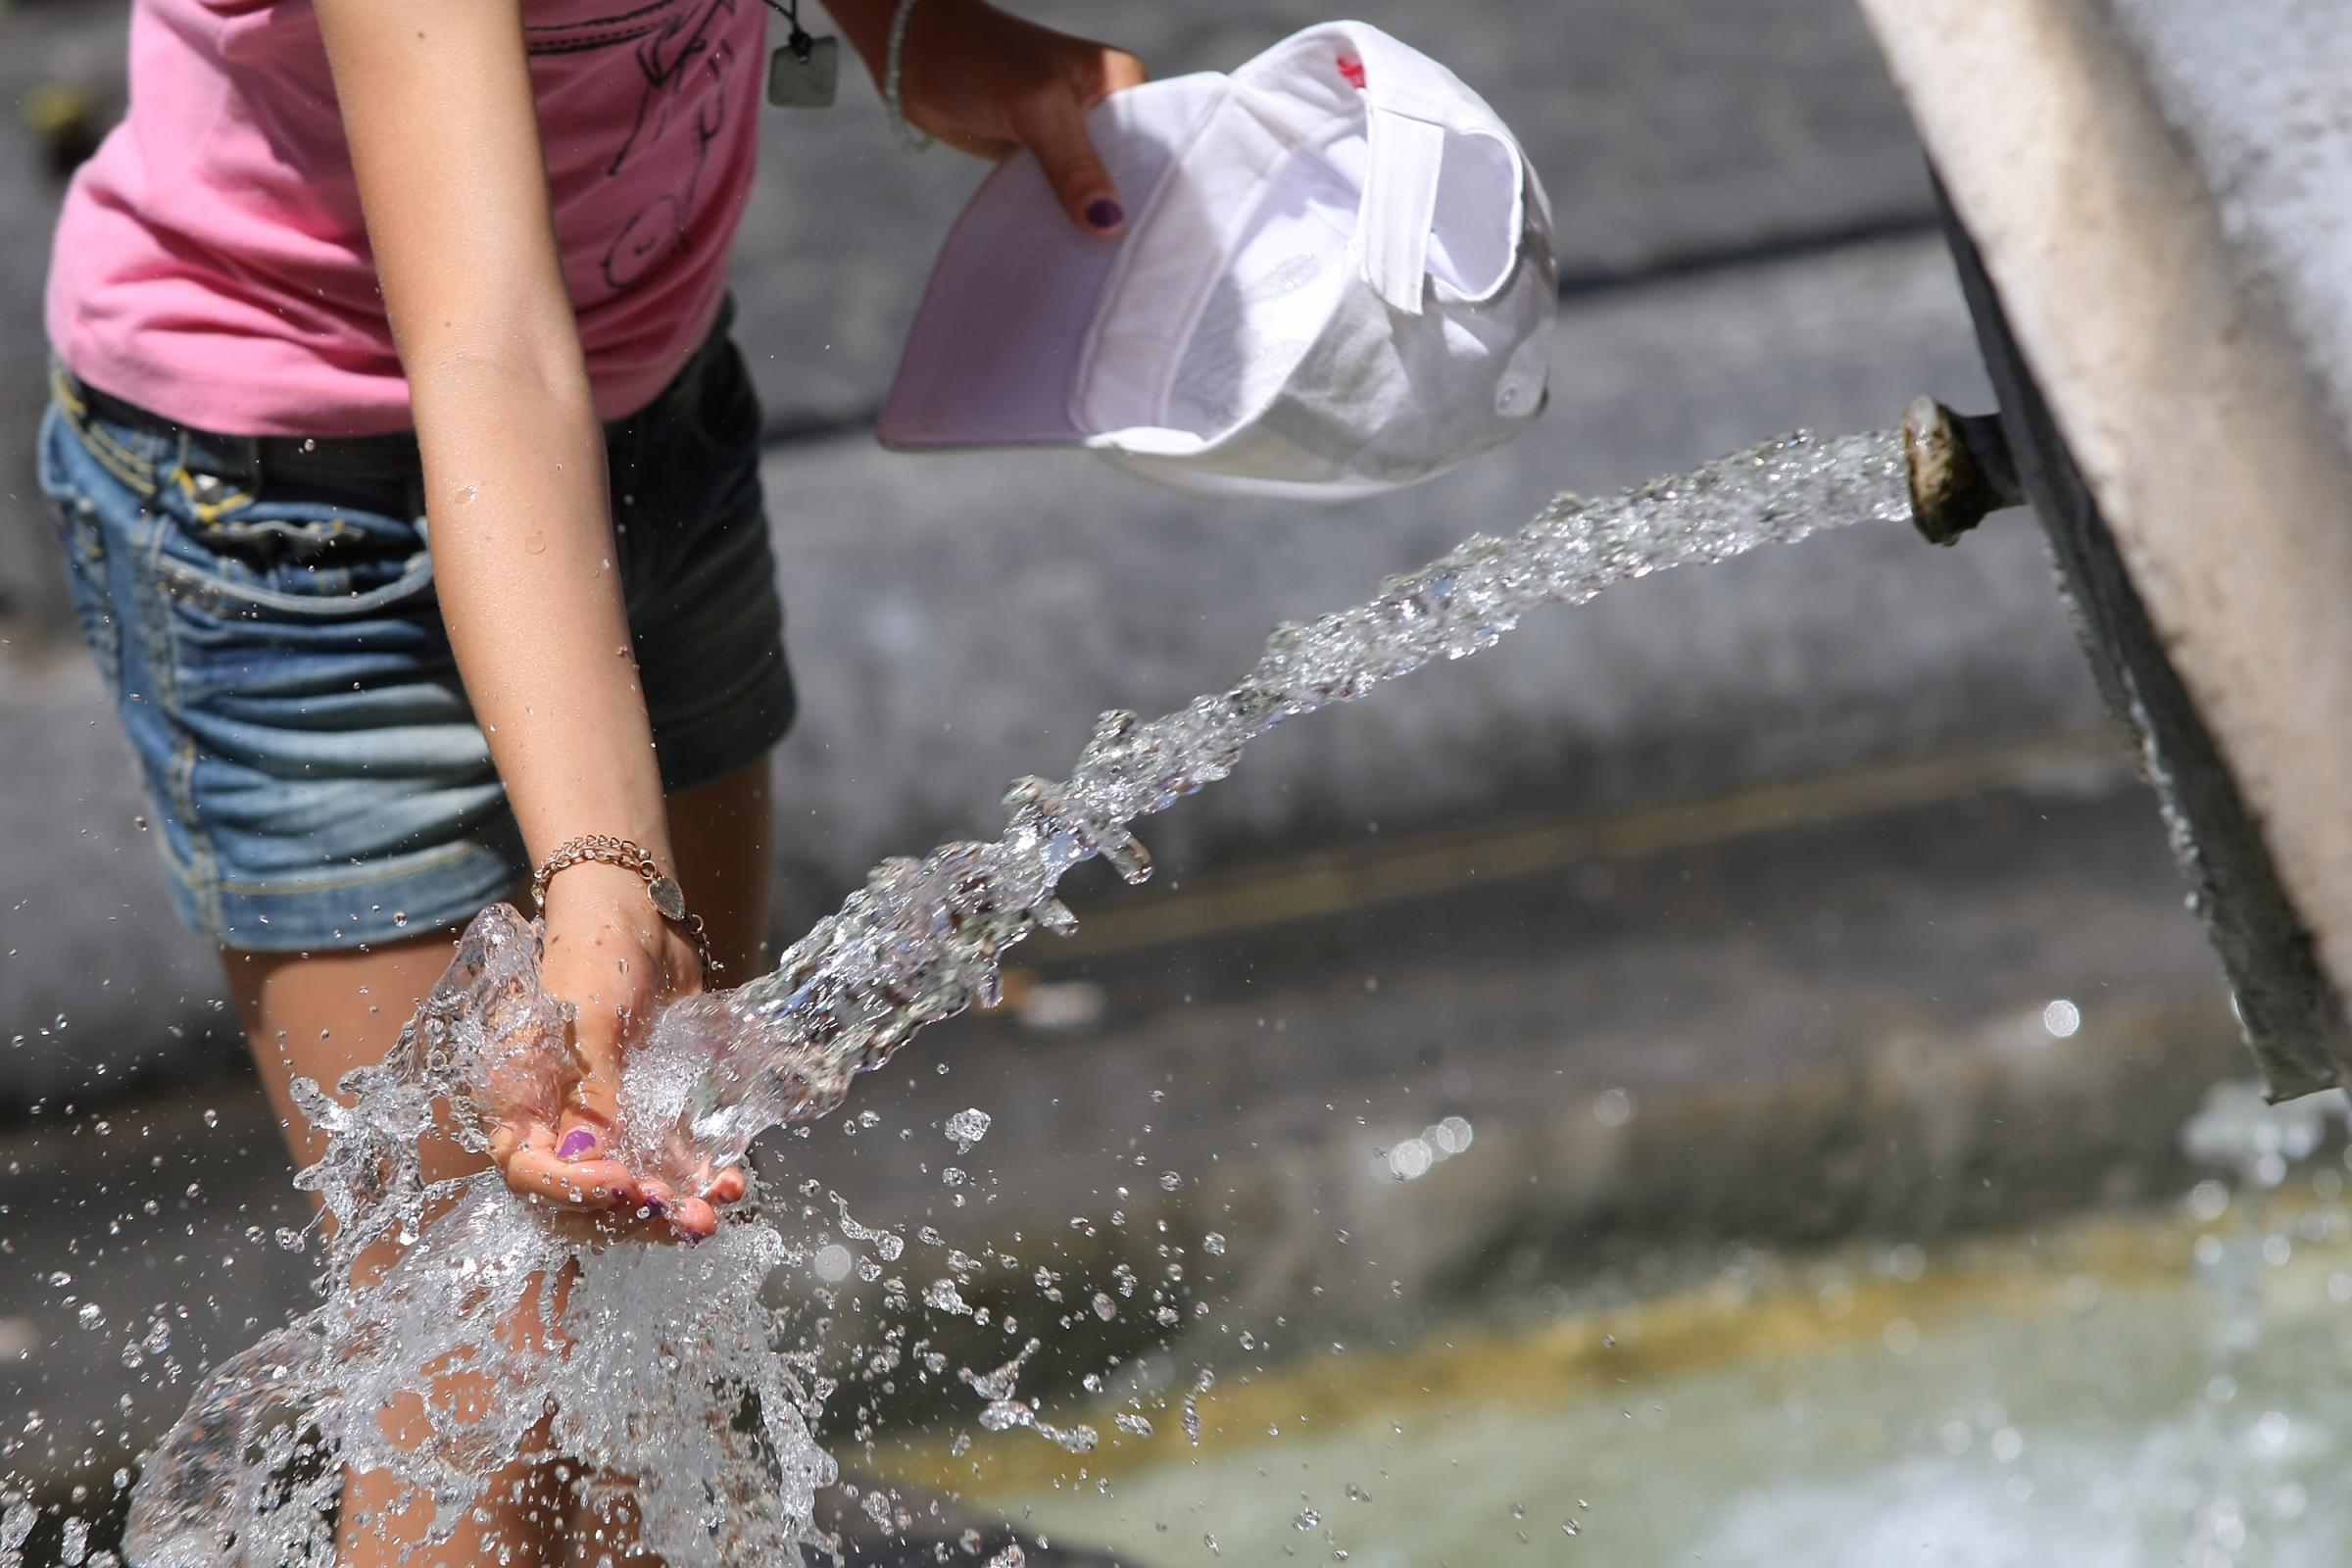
(662, 1368)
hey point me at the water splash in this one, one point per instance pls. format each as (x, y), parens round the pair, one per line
(664, 1368)
(922, 940)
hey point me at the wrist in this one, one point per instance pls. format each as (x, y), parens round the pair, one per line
(597, 887)
(621, 883)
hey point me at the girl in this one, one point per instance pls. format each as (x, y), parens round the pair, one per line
(357, 275)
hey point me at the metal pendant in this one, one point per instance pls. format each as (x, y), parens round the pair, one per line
(669, 897)
(804, 74)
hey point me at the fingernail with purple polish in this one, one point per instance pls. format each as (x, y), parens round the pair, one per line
(1104, 214)
(578, 1144)
(656, 1206)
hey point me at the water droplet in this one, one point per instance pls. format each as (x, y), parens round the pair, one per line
(1410, 1159)
(91, 1314)
(400, 917)
(966, 1128)
(535, 545)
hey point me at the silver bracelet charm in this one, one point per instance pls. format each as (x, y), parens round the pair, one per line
(910, 138)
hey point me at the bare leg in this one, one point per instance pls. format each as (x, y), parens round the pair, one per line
(721, 833)
(315, 1017)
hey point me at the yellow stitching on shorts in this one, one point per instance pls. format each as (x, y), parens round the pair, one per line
(208, 512)
(200, 882)
(99, 434)
(112, 455)
(61, 387)
(137, 475)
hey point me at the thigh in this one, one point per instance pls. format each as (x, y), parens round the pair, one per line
(315, 1017)
(723, 834)
(318, 1015)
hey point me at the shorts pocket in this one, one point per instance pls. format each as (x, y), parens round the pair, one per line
(329, 594)
(310, 555)
(290, 595)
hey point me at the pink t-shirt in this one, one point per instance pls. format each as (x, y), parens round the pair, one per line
(212, 265)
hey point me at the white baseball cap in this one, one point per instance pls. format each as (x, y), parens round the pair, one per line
(1335, 278)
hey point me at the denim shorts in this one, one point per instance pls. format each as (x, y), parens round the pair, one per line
(263, 613)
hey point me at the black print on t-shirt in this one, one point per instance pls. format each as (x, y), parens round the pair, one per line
(678, 46)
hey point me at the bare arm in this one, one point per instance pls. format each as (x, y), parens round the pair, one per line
(438, 110)
(437, 106)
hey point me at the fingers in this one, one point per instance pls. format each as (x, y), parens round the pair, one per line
(533, 1165)
(1120, 72)
(1054, 128)
(589, 1186)
(692, 1219)
(592, 1100)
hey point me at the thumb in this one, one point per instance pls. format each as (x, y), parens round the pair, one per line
(1055, 130)
(592, 1103)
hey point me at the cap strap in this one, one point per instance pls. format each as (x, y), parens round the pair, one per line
(1412, 100)
(1399, 204)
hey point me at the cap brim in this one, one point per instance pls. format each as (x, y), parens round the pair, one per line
(1003, 324)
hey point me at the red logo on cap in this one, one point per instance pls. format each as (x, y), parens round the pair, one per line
(1353, 70)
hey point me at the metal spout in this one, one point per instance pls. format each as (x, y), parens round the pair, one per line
(1960, 469)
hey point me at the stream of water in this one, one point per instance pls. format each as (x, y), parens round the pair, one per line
(670, 1370)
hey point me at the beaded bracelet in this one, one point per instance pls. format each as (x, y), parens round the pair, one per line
(910, 137)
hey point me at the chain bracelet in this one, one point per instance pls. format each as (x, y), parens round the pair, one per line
(669, 899)
(910, 137)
